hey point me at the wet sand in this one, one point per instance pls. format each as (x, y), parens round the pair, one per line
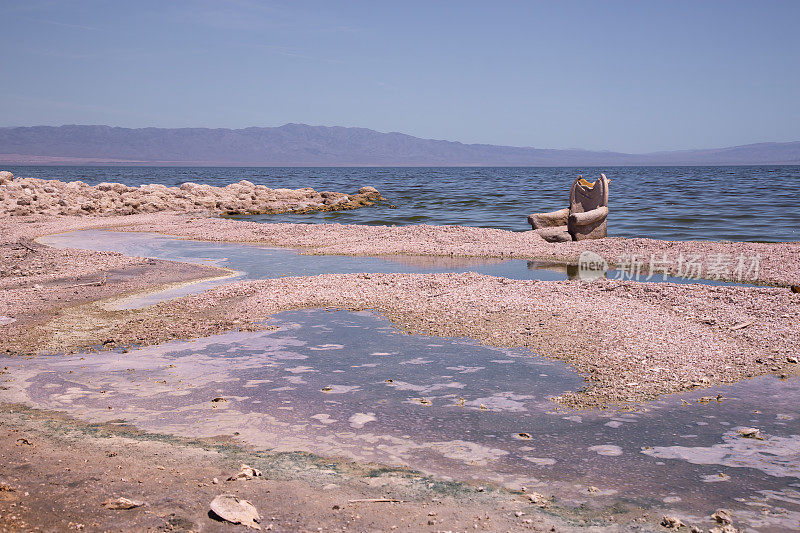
(37, 282)
(57, 472)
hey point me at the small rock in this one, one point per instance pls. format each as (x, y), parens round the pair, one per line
(722, 516)
(593, 489)
(708, 399)
(231, 509)
(750, 433)
(246, 472)
(218, 399)
(538, 499)
(122, 503)
(796, 289)
(727, 528)
(791, 359)
(672, 522)
(524, 436)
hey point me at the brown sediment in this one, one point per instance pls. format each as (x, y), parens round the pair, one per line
(57, 472)
(631, 341)
(37, 282)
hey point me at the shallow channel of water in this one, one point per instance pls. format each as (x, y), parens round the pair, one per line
(260, 262)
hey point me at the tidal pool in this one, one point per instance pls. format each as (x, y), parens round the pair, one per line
(350, 385)
(249, 261)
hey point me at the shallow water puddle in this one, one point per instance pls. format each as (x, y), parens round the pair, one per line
(259, 262)
(350, 385)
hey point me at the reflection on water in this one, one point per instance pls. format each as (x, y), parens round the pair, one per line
(348, 384)
(259, 262)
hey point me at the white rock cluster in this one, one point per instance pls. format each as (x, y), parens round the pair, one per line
(27, 196)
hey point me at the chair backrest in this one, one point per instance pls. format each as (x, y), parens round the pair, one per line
(585, 196)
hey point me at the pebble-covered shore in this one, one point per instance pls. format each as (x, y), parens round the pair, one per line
(777, 263)
(33, 196)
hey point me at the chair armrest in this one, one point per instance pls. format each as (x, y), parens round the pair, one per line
(549, 220)
(595, 215)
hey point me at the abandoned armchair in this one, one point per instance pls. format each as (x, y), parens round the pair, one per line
(585, 218)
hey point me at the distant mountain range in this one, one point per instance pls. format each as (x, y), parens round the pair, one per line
(302, 145)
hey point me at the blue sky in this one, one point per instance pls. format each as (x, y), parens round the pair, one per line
(632, 76)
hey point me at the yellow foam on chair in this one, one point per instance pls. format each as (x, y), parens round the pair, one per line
(585, 218)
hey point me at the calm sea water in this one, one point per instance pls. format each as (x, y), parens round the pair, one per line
(673, 203)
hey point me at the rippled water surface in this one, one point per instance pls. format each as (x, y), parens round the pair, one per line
(673, 203)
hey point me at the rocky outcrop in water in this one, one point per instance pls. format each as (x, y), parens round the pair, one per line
(28, 196)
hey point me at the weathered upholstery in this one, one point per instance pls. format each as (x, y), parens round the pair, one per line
(585, 218)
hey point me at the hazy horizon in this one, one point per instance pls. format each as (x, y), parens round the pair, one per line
(303, 145)
(333, 126)
(634, 77)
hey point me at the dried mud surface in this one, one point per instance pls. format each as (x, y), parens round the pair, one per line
(57, 473)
